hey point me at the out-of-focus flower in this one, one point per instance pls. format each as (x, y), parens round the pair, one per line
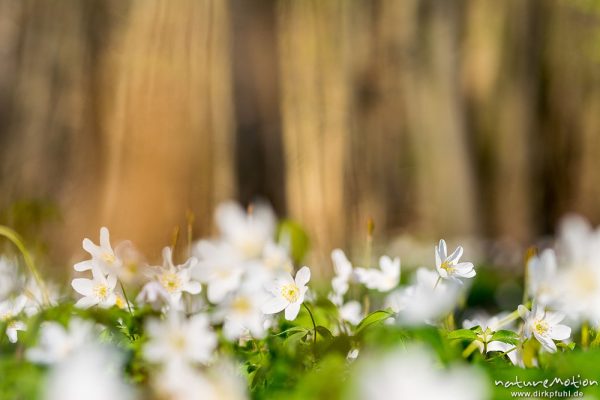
(449, 267)
(426, 300)
(35, 297)
(248, 232)
(176, 279)
(414, 374)
(276, 258)
(351, 312)
(183, 382)
(220, 268)
(488, 327)
(103, 255)
(541, 277)
(56, 342)
(179, 340)
(288, 294)
(9, 311)
(100, 290)
(384, 279)
(544, 326)
(578, 254)
(343, 274)
(92, 373)
(241, 314)
(154, 294)
(10, 279)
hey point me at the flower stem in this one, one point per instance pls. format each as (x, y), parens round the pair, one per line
(126, 298)
(314, 327)
(18, 242)
(439, 279)
(585, 335)
(470, 349)
(513, 316)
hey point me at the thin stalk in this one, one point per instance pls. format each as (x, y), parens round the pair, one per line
(126, 298)
(18, 242)
(314, 327)
(470, 349)
(585, 335)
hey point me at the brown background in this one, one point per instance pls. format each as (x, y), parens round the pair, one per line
(455, 117)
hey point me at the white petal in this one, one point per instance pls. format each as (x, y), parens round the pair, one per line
(546, 342)
(442, 250)
(12, 334)
(105, 238)
(192, 287)
(302, 276)
(560, 332)
(291, 312)
(83, 286)
(456, 255)
(86, 302)
(274, 305)
(83, 266)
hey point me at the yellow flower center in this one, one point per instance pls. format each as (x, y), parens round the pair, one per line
(108, 258)
(241, 305)
(178, 342)
(541, 327)
(290, 292)
(170, 281)
(101, 291)
(446, 266)
(6, 316)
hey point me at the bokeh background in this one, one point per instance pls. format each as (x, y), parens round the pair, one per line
(454, 118)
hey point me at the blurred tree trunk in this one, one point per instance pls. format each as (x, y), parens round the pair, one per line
(443, 164)
(314, 74)
(169, 129)
(500, 78)
(571, 131)
(48, 133)
(380, 165)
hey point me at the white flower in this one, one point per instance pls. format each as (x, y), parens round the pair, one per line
(56, 343)
(276, 258)
(544, 326)
(103, 256)
(241, 314)
(154, 294)
(351, 312)
(541, 277)
(92, 373)
(220, 268)
(578, 277)
(176, 279)
(343, 274)
(384, 279)
(183, 382)
(179, 340)
(426, 300)
(288, 294)
(35, 297)
(448, 266)
(415, 374)
(10, 280)
(100, 290)
(9, 310)
(248, 232)
(488, 327)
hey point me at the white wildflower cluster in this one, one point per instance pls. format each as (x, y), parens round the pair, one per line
(178, 325)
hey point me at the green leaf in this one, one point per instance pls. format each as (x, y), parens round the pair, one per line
(372, 319)
(291, 234)
(294, 329)
(324, 332)
(506, 336)
(293, 339)
(462, 334)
